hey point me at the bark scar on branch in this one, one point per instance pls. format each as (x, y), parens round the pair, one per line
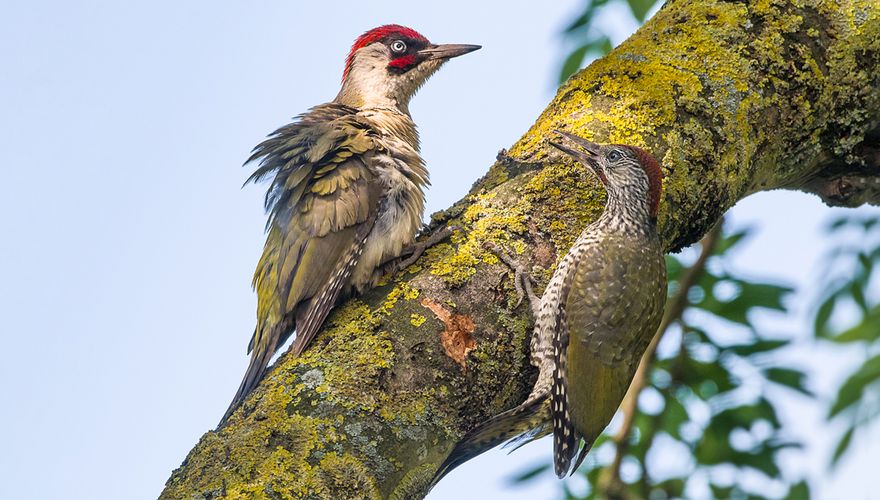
(456, 338)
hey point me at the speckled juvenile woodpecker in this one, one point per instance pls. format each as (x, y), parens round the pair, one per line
(597, 315)
(346, 193)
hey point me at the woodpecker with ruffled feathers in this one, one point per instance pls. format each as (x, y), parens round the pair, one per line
(346, 193)
(595, 319)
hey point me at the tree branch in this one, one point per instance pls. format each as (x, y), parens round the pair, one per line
(733, 97)
(851, 180)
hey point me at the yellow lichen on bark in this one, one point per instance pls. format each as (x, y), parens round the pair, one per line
(727, 74)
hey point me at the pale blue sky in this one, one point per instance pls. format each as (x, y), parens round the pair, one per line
(129, 245)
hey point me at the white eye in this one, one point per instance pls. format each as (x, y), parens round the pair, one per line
(613, 156)
(398, 46)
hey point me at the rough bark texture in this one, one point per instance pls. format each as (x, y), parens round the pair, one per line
(734, 97)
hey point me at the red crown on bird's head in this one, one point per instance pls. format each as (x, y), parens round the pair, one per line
(655, 176)
(377, 35)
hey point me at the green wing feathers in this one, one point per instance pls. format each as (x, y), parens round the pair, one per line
(321, 202)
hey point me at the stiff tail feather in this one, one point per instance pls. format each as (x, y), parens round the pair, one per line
(257, 366)
(255, 371)
(565, 437)
(518, 425)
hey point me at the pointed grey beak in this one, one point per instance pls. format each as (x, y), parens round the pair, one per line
(448, 51)
(588, 156)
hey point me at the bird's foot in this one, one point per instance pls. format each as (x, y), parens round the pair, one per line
(522, 278)
(413, 252)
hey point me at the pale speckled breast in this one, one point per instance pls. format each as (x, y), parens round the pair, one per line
(400, 168)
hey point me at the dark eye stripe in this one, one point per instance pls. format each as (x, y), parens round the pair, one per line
(412, 45)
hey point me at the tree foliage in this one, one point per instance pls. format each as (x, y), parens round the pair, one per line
(848, 314)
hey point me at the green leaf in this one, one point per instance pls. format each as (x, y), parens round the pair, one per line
(583, 21)
(751, 295)
(788, 377)
(842, 446)
(642, 436)
(823, 314)
(852, 389)
(799, 491)
(766, 295)
(779, 445)
(849, 220)
(867, 262)
(735, 311)
(714, 446)
(760, 346)
(529, 474)
(697, 335)
(573, 62)
(848, 395)
(706, 379)
(745, 415)
(838, 223)
(729, 241)
(720, 452)
(674, 487)
(592, 478)
(866, 331)
(765, 461)
(858, 296)
(674, 415)
(640, 8)
(673, 268)
(721, 491)
(874, 255)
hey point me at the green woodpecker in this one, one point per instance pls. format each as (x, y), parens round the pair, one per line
(595, 319)
(346, 193)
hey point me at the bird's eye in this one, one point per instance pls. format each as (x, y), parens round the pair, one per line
(398, 46)
(613, 156)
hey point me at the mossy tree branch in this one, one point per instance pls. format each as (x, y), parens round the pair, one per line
(734, 97)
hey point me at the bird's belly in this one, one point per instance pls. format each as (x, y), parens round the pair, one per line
(399, 219)
(595, 390)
